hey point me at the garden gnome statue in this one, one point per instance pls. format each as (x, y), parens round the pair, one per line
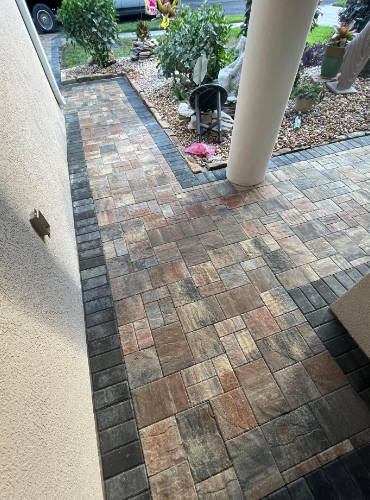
(356, 56)
(229, 77)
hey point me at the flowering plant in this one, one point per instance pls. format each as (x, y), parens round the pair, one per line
(151, 7)
(342, 36)
(167, 10)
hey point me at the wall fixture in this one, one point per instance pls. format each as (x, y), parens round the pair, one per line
(39, 224)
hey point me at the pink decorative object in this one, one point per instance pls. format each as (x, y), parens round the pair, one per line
(201, 149)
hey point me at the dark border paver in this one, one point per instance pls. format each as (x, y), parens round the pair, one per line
(123, 466)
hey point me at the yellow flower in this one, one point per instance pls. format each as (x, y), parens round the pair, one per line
(165, 22)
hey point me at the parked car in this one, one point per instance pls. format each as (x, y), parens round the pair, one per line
(44, 14)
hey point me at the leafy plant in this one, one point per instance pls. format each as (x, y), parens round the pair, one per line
(308, 89)
(91, 24)
(142, 29)
(200, 69)
(357, 11)
(312, 55)
(342, 36)
(179, 93)
(191, 34)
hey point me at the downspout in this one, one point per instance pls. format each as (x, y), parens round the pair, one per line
(23, 9)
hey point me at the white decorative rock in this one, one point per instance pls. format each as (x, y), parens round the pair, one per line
(185, 111)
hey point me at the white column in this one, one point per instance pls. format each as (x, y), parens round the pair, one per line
(276, 39)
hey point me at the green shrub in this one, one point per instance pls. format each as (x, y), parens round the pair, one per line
(191, 34)
(308, 89)
(357, 11)
(91, 24)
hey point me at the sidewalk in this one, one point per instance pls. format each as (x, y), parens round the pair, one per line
(329, 15)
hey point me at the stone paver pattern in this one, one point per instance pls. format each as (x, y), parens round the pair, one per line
(234, 392)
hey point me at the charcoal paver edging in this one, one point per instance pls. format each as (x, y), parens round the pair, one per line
(314, 301)
(345, 477)
(123, 467)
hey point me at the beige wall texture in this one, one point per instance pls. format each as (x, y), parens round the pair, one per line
(48, 438)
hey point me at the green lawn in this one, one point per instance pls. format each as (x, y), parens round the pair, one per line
(234, 34)
(340, 3)
(319, 34)
(130, 26)
(155, 24)
(75, 55)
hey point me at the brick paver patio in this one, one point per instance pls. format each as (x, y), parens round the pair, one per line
(221, 298)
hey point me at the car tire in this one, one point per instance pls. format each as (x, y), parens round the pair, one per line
(44, 18)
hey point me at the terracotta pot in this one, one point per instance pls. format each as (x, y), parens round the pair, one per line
(332, 61)
(303, 104)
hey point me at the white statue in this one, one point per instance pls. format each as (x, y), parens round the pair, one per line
(229, 77)
(356, 56)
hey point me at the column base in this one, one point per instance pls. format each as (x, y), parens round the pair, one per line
(333, 86)
(237, 183)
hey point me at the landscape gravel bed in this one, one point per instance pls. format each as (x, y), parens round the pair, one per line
(336, 117)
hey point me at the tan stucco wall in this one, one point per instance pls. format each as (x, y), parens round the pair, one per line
(48, 438)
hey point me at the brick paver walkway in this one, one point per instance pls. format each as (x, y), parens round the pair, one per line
(221, 298)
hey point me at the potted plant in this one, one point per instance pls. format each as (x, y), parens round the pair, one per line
(334, 52)
(307, 92)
